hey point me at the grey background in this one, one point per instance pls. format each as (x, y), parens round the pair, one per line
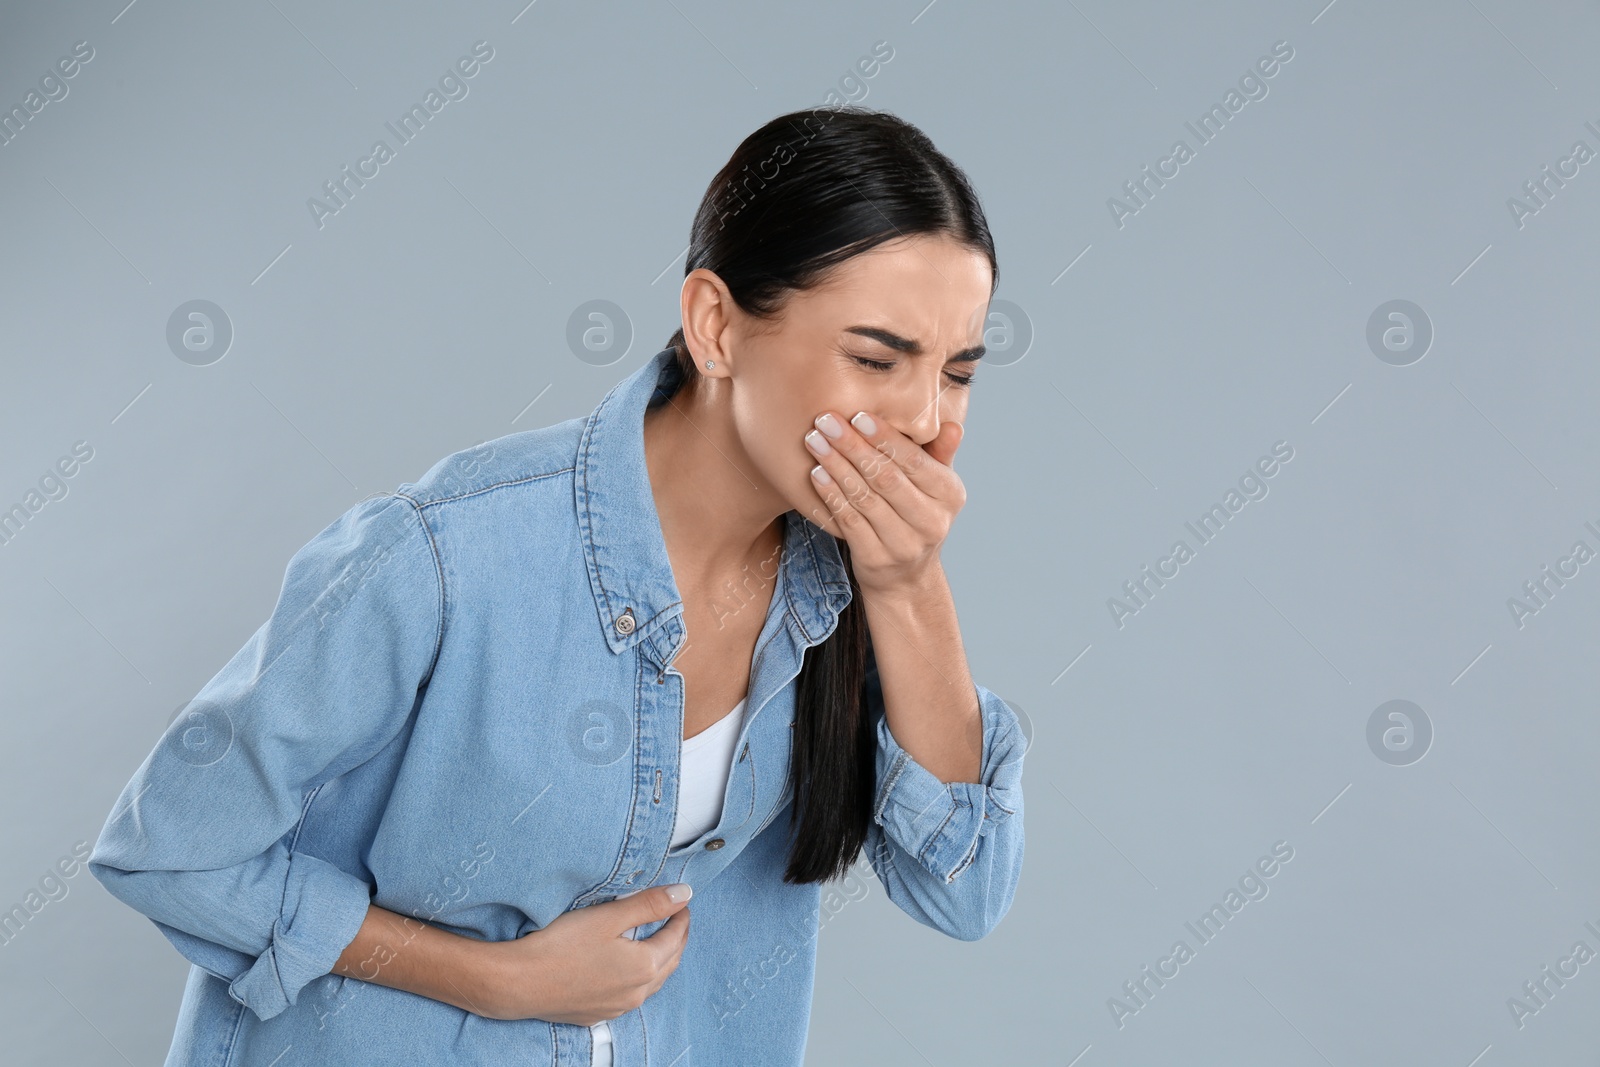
(1229, 313)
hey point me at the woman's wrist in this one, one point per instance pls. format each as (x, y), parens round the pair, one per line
(405, 953)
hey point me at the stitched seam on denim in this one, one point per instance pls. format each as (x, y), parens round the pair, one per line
(752, 713)
(586, 519)
(922, 856)
(231, 1044)
(783, 786)
(438, 569)
(885, 855)
(761, 649)
(486, 488)
(633, 806)
(964, 864)
(827, 585)
(647, 627)
(891, 780)
(988, 795)
(792, 589)
(274, 943)
(641, 687)
(586, 528)
(305, 809)
(433, 545)
(888, 784)
(807, 639)
(398, 544)
(750, 765)
(816, 572)
(788, 596)
(789, 592)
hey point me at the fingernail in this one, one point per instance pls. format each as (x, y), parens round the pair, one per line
(829, 425)
(821, 475)
(818, 443)
(678, 892)
(864, 423)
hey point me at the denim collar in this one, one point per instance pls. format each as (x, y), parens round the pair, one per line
(625, 549)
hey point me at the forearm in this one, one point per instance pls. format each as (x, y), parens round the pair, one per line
(404, 953)
(928, 695)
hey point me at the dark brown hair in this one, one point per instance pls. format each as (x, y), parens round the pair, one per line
(799, 196)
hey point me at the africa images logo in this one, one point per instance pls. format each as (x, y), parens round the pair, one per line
(1252, 86)
(452, 86)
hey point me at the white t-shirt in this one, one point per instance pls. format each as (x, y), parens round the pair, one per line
(702, 779)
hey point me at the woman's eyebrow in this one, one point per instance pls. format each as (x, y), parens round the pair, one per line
(910, 346)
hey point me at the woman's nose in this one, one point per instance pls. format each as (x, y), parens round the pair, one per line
(920, 420)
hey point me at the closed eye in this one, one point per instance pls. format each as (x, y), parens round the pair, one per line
(875, 364)
(962, 380)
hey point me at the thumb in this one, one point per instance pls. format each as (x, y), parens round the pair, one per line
(650, 905)
(943, 447)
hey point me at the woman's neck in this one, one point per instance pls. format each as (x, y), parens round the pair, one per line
(717, 512)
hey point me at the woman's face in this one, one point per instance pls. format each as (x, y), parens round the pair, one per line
(884, 334)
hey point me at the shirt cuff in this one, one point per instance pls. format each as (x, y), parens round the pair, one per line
(323, 909)
(940, 823)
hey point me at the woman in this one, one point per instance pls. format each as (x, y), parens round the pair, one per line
(449, 803)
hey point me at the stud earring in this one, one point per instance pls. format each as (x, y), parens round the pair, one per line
(710, 363)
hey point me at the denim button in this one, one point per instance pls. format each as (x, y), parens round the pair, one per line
(625, 622)
(714, 844)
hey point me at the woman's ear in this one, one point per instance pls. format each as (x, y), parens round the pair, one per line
(703, 303)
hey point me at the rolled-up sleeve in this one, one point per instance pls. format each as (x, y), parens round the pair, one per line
(202, 838)
(949, 854)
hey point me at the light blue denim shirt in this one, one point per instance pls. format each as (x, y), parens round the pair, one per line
(460, 710)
